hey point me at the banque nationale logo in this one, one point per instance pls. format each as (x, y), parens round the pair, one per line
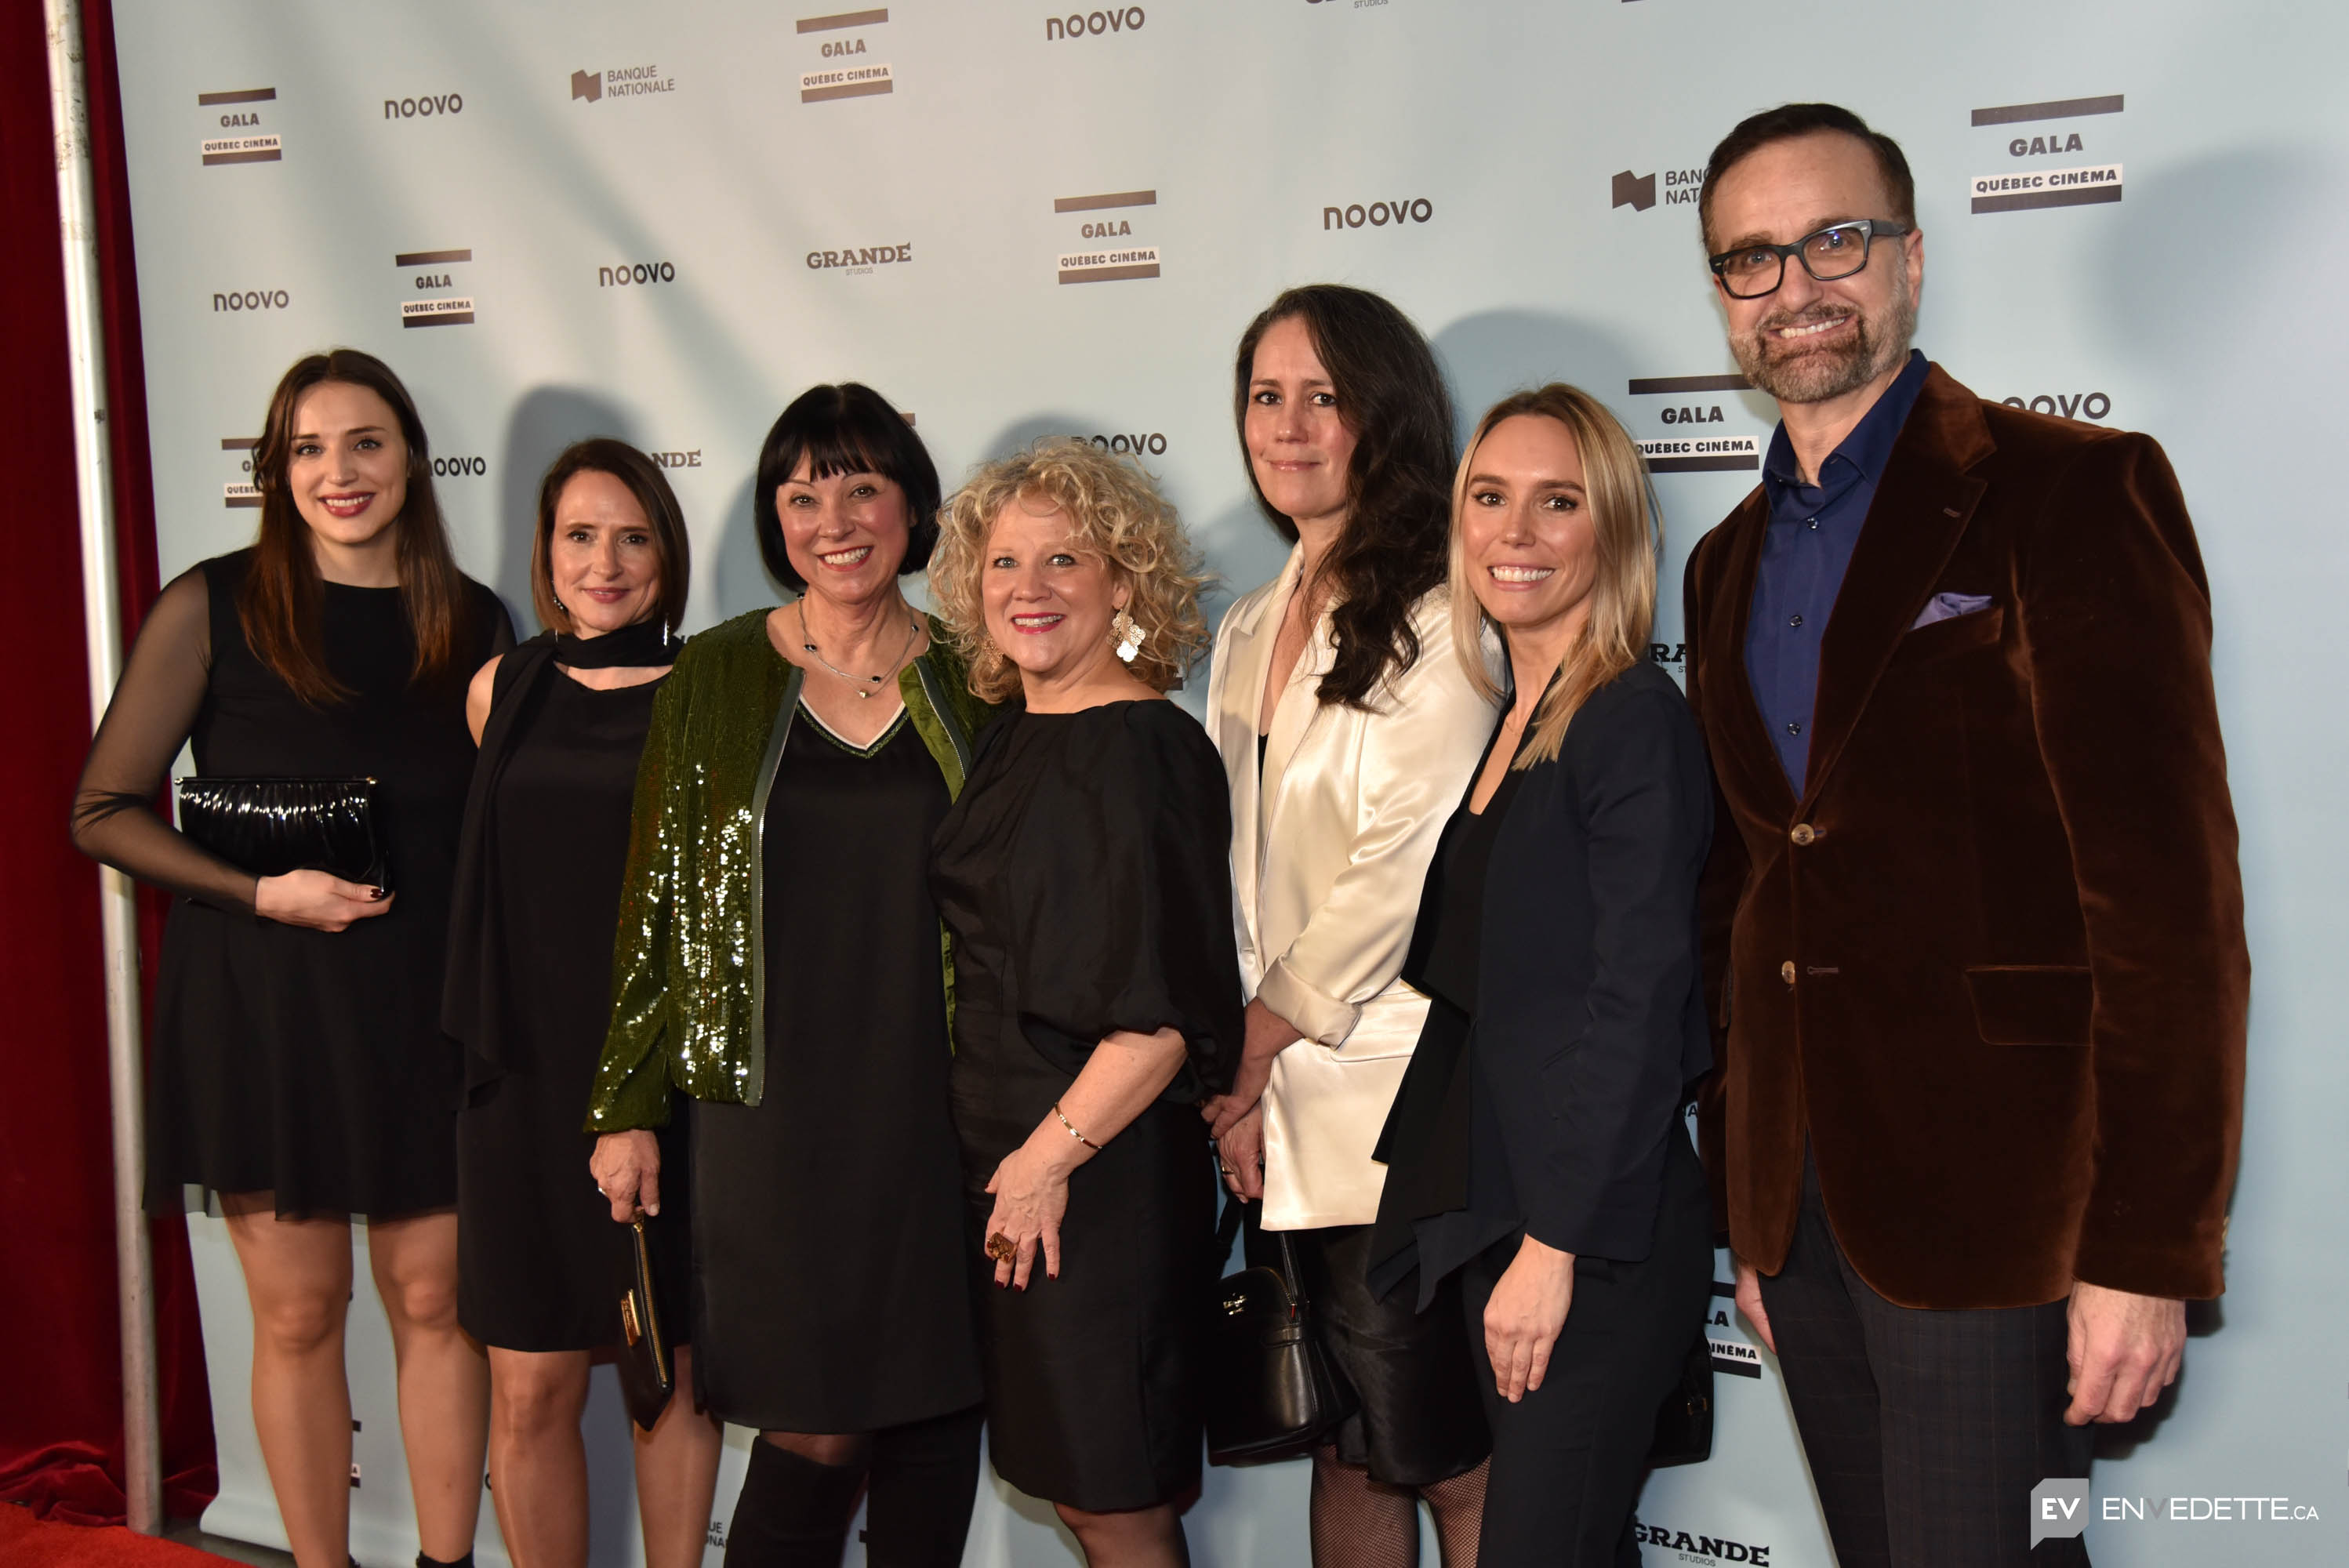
(844, 70)
(620, 81)
(242, 139)
(1109, 256)
(1695, 454)
(1637, 191)
(240, 491)
(2029, 187)
(431, 270)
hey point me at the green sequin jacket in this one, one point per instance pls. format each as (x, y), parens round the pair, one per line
(689, 982)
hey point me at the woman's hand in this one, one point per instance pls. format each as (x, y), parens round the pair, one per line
(317, 901)
(1525, 1315)
(1268, 1034)
(626, 1168)
(1031, 1193)
(1240, 1153)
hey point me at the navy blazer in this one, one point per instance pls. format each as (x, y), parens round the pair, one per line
(1588, 1025)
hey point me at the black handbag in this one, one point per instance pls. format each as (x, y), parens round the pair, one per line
(1270, 1387)
(1684, 1421)
(271, 826)
(648, 1376)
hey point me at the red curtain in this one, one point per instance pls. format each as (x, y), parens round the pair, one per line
(60, 1370)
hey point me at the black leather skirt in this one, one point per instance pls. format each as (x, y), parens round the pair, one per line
(1420, 1420)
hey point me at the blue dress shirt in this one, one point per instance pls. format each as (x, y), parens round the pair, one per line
(1805, 548)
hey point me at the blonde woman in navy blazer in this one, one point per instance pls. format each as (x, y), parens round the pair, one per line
(1557, 941)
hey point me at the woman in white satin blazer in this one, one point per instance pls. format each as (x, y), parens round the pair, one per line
(1348, 729)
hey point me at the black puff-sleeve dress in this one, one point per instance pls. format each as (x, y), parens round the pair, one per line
(1085, 874)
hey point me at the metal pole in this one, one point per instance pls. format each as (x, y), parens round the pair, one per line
(101, 617)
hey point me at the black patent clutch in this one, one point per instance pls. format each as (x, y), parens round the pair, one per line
(1684, 1433)
(648, 1376)
(1270, 1386)
(271, 826)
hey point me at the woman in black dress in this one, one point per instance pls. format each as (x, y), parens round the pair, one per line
(561, 722)
(298, 1070)
(1085, 874)
(1537, 1148)
(781, 961)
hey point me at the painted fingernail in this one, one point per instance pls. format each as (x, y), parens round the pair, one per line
(375, 894)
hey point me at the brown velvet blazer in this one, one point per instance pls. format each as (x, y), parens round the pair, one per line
(1991, 962)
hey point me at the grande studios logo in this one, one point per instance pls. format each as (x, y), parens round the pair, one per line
(1694, 402)
(1687, 1546)
(427, 271)
(844, 68)
(239, 135)
(1104, 230)
(2026, 183)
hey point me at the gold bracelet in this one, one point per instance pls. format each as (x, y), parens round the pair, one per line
(1073, 1128)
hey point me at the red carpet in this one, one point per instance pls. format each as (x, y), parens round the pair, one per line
(29, 1543)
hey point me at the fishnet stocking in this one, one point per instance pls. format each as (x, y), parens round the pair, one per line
(1359, 1522)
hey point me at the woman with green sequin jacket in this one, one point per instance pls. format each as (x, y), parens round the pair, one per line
(781, 978)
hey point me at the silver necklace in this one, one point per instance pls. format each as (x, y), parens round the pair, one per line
(913, 630)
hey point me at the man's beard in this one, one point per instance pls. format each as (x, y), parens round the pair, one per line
(1795, 373)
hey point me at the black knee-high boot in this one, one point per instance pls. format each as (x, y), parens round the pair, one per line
(925, 1479)
(793, 1513)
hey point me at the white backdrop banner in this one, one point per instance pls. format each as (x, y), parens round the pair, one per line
(663, 221)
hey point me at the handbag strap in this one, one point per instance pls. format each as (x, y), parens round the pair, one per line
(1227, 1230)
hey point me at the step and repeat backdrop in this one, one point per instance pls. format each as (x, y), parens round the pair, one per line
(1016, 219)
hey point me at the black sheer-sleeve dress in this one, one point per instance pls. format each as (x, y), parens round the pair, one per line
(306, 1064)
(539, 1262)
(1085, 874)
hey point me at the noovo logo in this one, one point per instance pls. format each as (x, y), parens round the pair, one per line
(1154, 444)
(423, 107)
(460, 468)
(635, 272)
(2091, 406)
(1378, 214)
(252, 299)
(1080, 24)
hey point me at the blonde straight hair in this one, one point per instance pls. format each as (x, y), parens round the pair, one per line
(1623, 593)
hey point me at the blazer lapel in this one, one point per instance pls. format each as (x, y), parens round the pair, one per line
(1921, 509)
(1749, 751)
(1248, 650)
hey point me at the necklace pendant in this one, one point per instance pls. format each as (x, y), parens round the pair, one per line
(862, 694)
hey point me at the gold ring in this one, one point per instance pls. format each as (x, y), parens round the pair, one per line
(1002, 1248)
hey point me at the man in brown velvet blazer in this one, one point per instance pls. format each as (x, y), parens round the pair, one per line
(1974, 925)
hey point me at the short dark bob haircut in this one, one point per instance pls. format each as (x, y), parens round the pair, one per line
(1789, 121)
(849, 428)
(603, 455)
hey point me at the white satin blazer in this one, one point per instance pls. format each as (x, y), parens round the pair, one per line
(1329, 859)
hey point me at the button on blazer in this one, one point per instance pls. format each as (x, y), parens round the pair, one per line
(1327, 860)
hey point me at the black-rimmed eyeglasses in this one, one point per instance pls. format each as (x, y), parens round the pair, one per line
(1838, 251)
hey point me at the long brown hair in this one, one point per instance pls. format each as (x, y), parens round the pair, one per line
(1623, 515)
(1391, 396)
(282, 605)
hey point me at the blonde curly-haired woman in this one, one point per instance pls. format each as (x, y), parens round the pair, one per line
(1084, 874)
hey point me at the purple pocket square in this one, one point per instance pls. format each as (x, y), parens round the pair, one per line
(1950, 607)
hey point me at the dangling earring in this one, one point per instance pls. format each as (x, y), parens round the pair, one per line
(1128, 635)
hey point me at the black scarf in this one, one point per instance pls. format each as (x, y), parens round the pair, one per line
(648, 644)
